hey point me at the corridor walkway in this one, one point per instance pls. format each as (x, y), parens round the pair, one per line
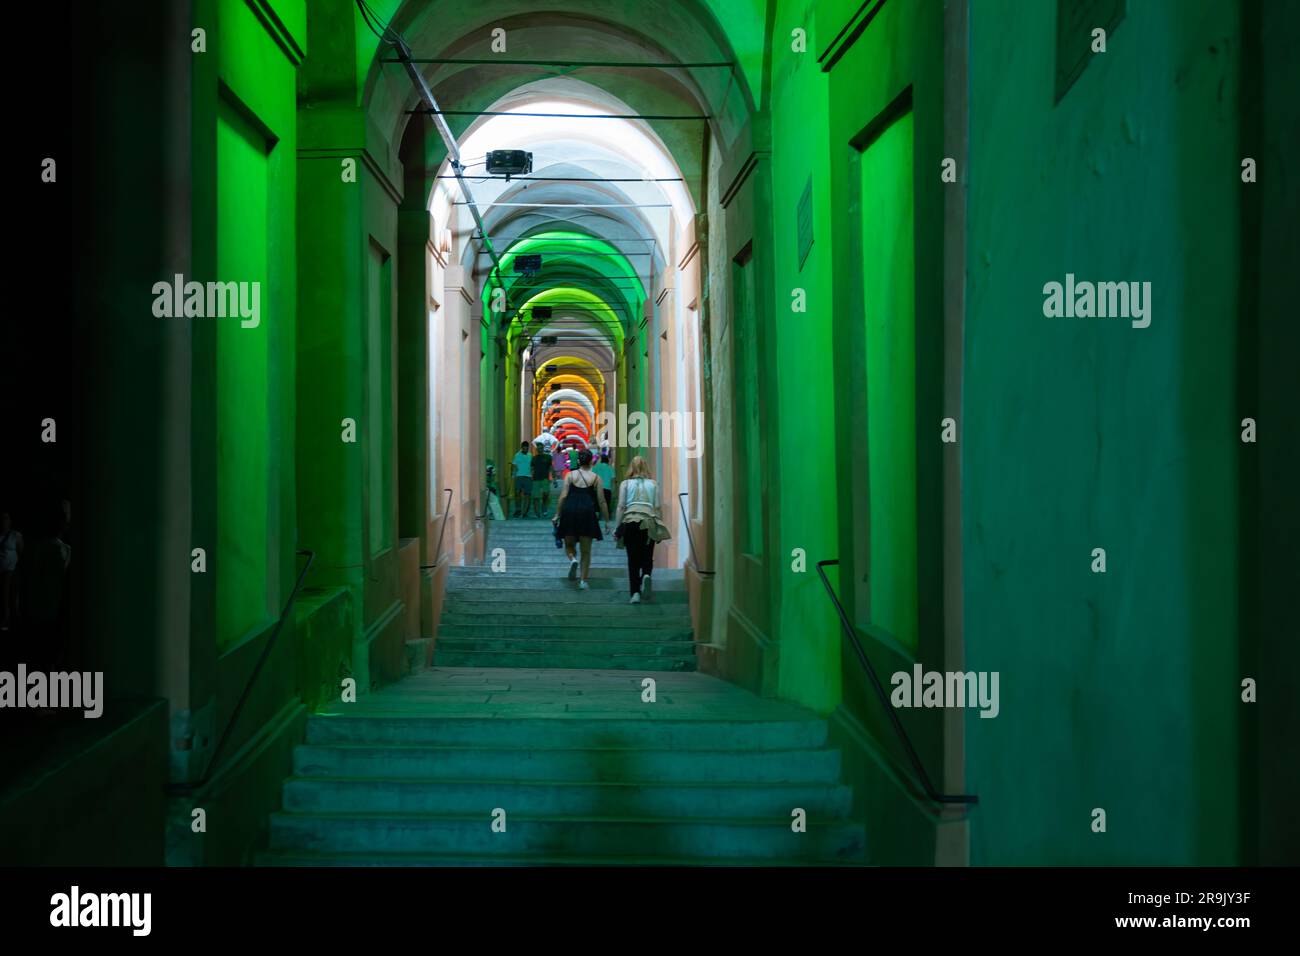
(575, 758)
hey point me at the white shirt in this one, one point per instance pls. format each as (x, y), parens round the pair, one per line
(639, 495)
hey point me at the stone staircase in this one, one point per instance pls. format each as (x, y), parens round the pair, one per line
(478, 761)
(532, 615)
(586, 771)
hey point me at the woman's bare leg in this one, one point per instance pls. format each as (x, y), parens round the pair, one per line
(586, 557)
(571, 548)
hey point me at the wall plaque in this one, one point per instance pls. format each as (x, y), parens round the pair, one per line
(805, 223)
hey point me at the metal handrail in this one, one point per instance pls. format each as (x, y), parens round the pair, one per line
(248, 686)
(446, 516)
(852, 635)
(487, 505)
(687, 518)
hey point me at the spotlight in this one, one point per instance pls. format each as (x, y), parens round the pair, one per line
(509, 162)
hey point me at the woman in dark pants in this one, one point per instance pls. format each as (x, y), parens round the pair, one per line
(640, 524)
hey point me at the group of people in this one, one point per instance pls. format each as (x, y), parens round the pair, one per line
(535, 476)
(585, 500)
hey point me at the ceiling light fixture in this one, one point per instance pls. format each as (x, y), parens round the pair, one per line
(509, 162)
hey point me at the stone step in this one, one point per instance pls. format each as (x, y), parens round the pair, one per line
(456, 609)
(534, 567)
(545, 547)
(739, 839)
(662, 576)
(572, 661)
(544, 537)
(529, 561)
(530, 525)
(657, 650)
(588, 764)
(588, 773)
(822, 802)
(561, 630)
(546, 542)
(585, 629)
(550, 554)
(546, 550)
(556, 569)
(529, 556)
(589, 640)
(555, 579)
(557, 585)
(567, 734)
(351, 860)
(604, 597)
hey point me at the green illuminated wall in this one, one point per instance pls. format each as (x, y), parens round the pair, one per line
(244, 194)
(884, 143)
(749, 446)
(744, 22)
(350, 188)
(243, 489)
(1079, 434)
(242, 419)
(379, 397)
(888, 281)
(803, 349)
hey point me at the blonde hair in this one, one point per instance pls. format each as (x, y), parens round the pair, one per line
(638, 467)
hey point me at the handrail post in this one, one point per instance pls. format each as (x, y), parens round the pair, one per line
(912, 755)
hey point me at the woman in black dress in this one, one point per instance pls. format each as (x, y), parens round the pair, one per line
(575, 515)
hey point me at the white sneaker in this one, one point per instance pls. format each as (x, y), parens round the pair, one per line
(636, 599)
(573, 570)
(645, 586)
(582, 585)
